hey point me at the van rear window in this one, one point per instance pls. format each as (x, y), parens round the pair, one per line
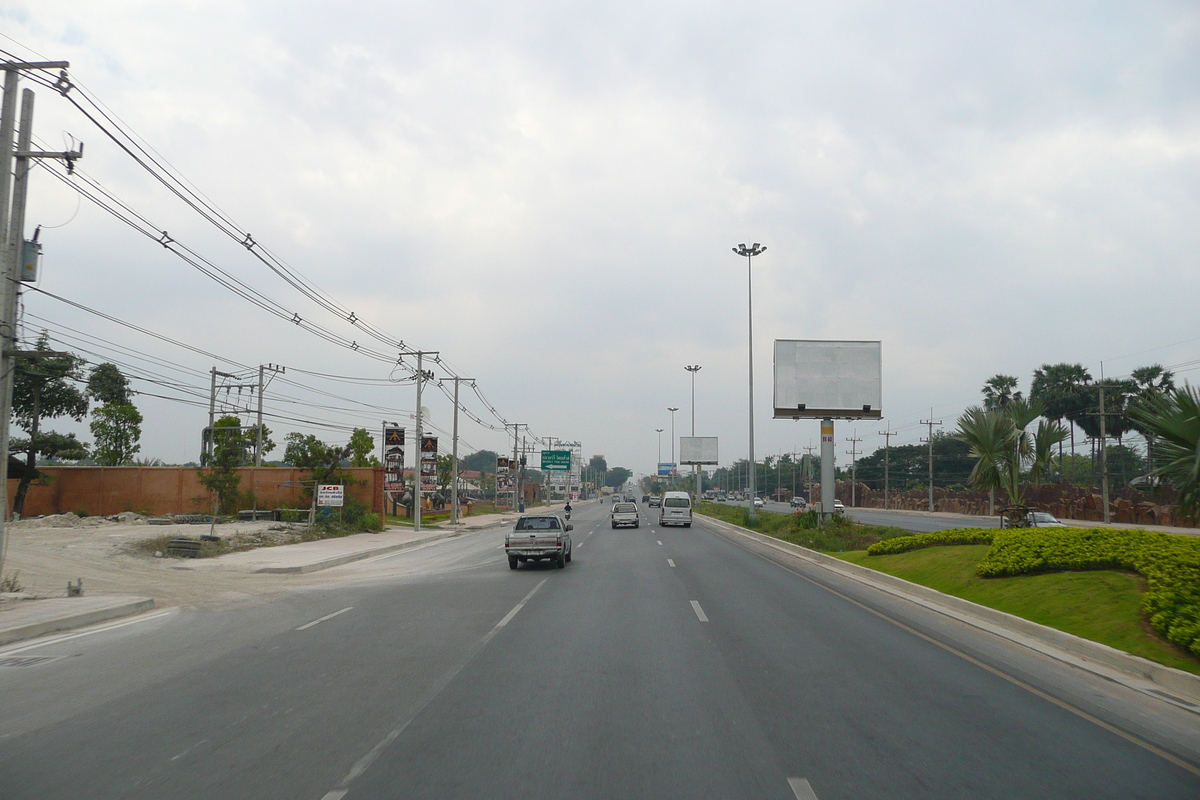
(677, 502)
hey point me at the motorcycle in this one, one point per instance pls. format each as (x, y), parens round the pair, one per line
(568, 513)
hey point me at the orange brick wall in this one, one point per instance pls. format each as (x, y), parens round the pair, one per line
(103, 491)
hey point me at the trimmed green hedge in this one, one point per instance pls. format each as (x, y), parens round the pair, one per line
(1170, 564)
(902, 544)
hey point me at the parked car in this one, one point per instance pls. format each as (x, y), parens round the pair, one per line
(1037, 519)
(799, 502)
(536, 537)
(838, 507)
(759, 502)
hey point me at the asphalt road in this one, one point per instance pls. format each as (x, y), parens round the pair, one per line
(911, 521)
(659, 663)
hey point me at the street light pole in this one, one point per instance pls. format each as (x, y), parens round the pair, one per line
(674, 466)
(659, 432)
(749, 253)
(694, 368)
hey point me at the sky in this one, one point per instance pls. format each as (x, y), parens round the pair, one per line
(547, 194)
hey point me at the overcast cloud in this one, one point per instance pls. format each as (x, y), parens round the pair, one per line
(548, 193)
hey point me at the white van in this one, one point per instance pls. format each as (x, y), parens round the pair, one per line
(676, 509)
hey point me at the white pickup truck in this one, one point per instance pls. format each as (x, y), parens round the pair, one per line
(625, 514)
(536, 537)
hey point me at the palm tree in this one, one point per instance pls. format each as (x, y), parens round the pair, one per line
(1002, 447)
(1060, 388)
(1174, 421)
(1152, 382)
(999, 391)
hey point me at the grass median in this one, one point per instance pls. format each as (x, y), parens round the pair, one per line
(1103, 605)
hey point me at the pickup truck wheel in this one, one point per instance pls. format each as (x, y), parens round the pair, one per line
(569, 556)
(614, 525)
(562, 562)
(512, 562)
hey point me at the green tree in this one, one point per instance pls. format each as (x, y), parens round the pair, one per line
(116, 425)
(322, 461)
(598, 464)
(483, 461)
(232, 449)
(617, 476)
(1002, 448)
(1060, 389)
(107, 384)
(1153, 383)
(999, 391)
(1174, 421)
(362, 449)
(44, 388)
(116, 430)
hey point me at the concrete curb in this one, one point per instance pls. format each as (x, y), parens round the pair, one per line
(337, 561)
(31, 630)
(1099, 659)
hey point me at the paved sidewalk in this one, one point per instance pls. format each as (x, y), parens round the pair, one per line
(27, 619)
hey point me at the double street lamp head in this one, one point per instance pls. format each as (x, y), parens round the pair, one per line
(753, 250)
(693, 368)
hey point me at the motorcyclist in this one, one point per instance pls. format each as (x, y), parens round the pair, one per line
(567, 509)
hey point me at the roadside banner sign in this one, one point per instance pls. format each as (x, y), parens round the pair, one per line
(429, 463)
(666, 470)
(393, 458)
(556, 460)
(502, 465)
(331, 494)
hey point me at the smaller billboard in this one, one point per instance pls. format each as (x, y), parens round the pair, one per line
(666, 470)
(698, 450)
(331, 494)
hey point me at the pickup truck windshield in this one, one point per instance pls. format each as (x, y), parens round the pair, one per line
(537, 524)
(677, 502)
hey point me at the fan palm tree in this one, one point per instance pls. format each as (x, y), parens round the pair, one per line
(1174, 421)
(1152, 382)
(999, 391)
(1060, 388)
(1003, 448)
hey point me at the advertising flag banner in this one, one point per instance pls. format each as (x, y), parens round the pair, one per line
(393, 459)
(429, 464)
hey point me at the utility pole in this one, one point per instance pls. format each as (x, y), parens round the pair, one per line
(421, 378)
(808, 472)
(275, 369)
(887, 441)
(14, 188)
(853, 453)
(454, 453)
(1103, 447)
(930, 422)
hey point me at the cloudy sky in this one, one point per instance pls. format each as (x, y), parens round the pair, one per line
(547, 194)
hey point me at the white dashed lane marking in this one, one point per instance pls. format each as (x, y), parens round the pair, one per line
(669, 561)
(801, 789)
(699, 611)
(322, 619)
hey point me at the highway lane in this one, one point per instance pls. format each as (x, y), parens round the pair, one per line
(661, 662)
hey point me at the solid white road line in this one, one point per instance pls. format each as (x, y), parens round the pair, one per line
(364, 763)
(699, 611)
(101, 629)
(801, 789)
(308, 625)
(669, 561)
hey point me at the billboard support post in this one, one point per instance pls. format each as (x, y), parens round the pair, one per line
(826, 468)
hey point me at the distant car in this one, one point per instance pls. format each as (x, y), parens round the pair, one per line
(1040, 519)
(655, 501)
(645, 498)
(799, 502)
(838, 507)
(759, 502)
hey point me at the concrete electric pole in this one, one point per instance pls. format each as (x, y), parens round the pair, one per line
(930, 422)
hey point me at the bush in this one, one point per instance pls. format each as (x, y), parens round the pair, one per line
(1169, 563)
(902, 544)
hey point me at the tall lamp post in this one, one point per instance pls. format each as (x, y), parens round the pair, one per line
(659, 432)
(750, 252)
(674, 466)
(694, 368)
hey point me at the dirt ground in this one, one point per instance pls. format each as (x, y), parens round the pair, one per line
(45, 553)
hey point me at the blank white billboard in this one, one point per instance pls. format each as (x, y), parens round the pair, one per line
(698, 450)
(835, 379)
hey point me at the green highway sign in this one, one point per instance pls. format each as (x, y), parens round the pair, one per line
(556, 460)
